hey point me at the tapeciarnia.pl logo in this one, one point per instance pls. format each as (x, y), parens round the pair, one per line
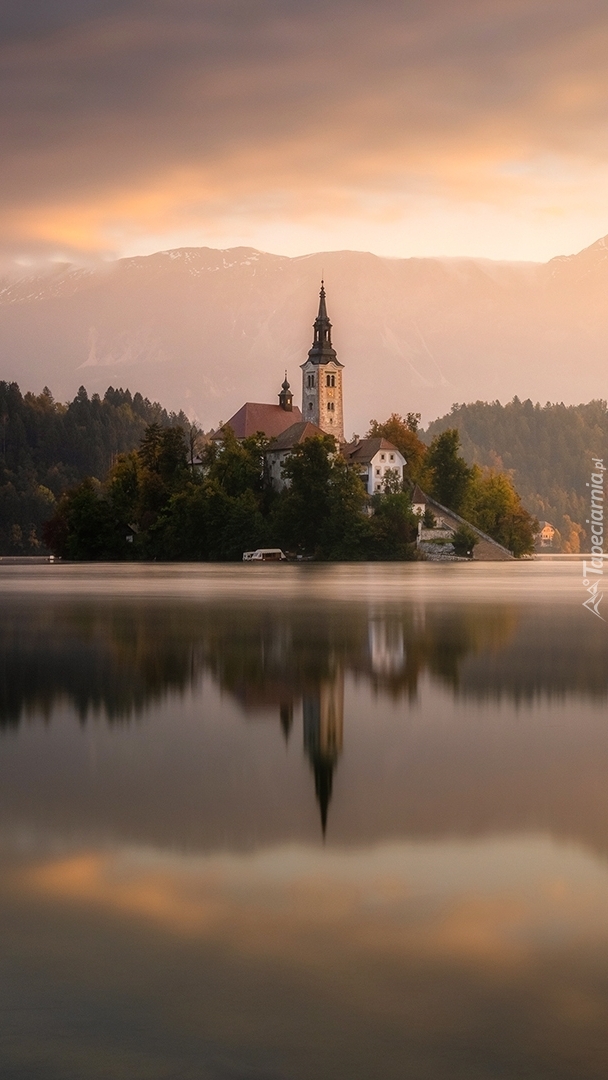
(593, 571)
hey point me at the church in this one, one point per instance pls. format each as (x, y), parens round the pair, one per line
(322, 413)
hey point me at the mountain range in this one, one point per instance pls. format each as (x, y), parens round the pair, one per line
(205, 330)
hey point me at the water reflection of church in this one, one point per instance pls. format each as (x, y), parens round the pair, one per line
(320, 705)
(323, 721)
(311, 688)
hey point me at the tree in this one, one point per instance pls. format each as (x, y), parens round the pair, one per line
(163, 451)
(85, 526)
(464, 540)
(546, 449)
(203, 522)
(394, 527)
(52, 447)
(493, 505)
(573, 535)
(237, 465)
(450, 476)
(346, 532)
(305, 504)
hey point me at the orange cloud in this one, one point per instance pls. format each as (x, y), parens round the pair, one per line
(395, 902)
(228, 120)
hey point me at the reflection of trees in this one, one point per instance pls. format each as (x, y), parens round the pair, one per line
(286, 658)
(101, 658)
(116, 658)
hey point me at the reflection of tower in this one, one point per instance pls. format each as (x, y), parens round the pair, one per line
(286, 715)
(386, 646)
(323, 713)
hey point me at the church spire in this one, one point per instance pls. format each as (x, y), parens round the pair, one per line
(322, 316)
(322, 351)
(322, 378)
(286, 396)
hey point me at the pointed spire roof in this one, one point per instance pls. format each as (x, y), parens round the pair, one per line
(322, 305)
(324, 777)
(322, 351)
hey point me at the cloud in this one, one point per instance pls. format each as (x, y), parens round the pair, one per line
(474, 902)
(122, 121)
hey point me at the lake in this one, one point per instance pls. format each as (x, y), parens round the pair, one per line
(294, 822)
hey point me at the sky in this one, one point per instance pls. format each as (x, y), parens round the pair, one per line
(402, 127)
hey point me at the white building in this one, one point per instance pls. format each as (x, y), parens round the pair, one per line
(375, 459)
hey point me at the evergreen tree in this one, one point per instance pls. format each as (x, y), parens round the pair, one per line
(47, 447)
(449, 473)
(546, 450)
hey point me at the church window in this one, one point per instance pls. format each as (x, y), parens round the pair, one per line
(330, 380)
(310, 404)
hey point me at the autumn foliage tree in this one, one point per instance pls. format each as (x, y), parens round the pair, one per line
(402, 432)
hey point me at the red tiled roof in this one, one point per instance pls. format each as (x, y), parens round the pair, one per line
(364, 450)
(254, 416)
(295, 434)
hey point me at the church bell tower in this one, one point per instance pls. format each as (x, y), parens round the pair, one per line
(322, 379)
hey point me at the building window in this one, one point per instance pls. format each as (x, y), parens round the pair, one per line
(382, 457)
(392, 457)
(378, 473)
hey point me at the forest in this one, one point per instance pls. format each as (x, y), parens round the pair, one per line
(120, 478)
(47, 447)
(546, 449)
(156, 504)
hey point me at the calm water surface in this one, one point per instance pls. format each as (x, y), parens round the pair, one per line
(285, 823)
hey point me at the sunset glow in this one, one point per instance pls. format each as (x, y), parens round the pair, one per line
(475, 128)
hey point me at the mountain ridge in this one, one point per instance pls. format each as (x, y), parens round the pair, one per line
(204, 329)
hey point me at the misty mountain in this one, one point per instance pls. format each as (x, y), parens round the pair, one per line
(204, 330)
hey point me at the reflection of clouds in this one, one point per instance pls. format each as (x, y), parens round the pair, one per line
(496, 903)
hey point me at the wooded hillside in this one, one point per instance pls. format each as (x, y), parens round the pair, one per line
(47, 447)
(547, 448)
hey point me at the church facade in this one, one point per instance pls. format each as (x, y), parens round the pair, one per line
(322, 413)
(322, 394)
